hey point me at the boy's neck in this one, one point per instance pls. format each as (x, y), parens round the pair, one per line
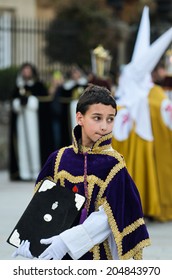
(84, 147)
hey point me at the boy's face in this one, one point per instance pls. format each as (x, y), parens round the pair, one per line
(97, 121)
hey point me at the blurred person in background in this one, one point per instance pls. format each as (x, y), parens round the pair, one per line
(69, 94)
(167, 82)
(30, 125)
(142, 129)
(55, 88)
(159, 74)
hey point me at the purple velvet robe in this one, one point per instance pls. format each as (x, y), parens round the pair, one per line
(108, 184)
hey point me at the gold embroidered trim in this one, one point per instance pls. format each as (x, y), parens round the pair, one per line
(96, 147)
(100, 150)
(102, 139)
(75, 144)
(92, 180)
(107, 250)
(114, 227)
(139, 255)
(113, 153)
(96, 252)
(84, 149)
(110, 176)
(64, 175)
(57, 163)
(37, 186)
(136, 252)
(96, 150)
(132, 227)
(118, 156)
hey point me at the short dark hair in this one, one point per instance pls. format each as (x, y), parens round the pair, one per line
(32, 67)
(94, 94)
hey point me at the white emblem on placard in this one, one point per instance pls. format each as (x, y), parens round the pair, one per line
(47, 217)
(79, 200)
(15, 238)
(55, 205)
(47, 185)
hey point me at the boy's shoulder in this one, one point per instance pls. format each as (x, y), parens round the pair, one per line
(62, 151)
(115, 154)
(118, 156)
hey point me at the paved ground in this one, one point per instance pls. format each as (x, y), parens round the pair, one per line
(14, 197)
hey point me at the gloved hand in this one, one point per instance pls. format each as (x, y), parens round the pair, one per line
(56, 250)
(23, 250)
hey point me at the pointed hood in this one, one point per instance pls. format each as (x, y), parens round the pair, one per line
(144, 59)
(135, 81)
(129, 73)
(143, 36)
(149, 59)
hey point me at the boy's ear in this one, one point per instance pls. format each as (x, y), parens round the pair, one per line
(79, 118)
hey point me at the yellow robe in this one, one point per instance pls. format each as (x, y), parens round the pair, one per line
(150, 163)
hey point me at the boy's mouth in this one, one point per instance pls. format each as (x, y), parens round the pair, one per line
(99, 134)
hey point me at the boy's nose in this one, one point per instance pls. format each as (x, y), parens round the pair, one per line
(103, 126)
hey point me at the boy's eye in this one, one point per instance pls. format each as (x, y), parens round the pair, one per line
(96, 118)
(110, 119)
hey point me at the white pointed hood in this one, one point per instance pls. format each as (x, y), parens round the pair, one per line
(143, 36)
(150, 58)
(135, 81)
(129, 74)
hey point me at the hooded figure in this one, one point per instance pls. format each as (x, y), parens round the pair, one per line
(143, 126)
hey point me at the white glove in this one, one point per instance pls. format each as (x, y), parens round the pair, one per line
(56, 250)
(16, 105)
(23, 250)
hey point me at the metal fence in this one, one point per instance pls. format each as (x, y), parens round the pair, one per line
(23, 40)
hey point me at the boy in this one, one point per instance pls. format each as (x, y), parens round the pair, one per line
(112, 225)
